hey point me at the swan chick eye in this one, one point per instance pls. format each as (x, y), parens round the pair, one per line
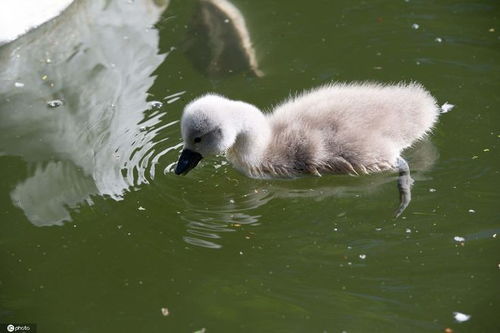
(196, 140)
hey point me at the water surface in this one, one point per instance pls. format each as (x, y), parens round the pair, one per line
(97, 234)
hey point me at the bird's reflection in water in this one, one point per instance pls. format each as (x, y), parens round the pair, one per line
(219, 42)
(237, 206)
(73, 99)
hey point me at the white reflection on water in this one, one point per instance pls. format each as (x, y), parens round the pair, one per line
(97, 59)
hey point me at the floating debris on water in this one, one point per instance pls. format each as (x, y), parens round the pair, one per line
(491, 29)
(432, 190)
(408, 230)
(18, 84)
(54, 103)
(156, 104)
(165, 312)
(415, 26)
(203, 330)
(486, 150)
(438, 39)
(141, 208)
(362, 256)
(461, 317)
(458, 239)
(475, 157)
(44, 77)
(472, 211)
(447, 107)
(448, 330)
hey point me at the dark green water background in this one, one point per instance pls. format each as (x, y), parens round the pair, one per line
(98, 235)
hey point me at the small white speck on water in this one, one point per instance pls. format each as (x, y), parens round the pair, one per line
(378, 229)
(119, 226)
(472, 211)
(18, 84)
(494, 235)
(48, 60)
(446, 107)
(459, 239)
(415, 26)
(226, 21)
(335, 229)
(241, 253)
(408, 230)
(231, 201)
(432, 190)
(461, 317)
(362, 256)
(165, 312)
(156, 104)
(54, 103)
(141, 208)
(438, 39)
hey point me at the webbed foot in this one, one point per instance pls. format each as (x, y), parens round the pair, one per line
(404, 186)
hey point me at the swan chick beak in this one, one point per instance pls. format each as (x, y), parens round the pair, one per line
(187, 161)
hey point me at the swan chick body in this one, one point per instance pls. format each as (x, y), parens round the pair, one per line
(356, 128)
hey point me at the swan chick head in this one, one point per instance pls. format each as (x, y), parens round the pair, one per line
(206, 130)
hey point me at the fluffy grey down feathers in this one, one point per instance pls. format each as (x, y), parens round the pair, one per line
(354, 128)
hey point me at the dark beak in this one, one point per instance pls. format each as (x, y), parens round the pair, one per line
(188, 160)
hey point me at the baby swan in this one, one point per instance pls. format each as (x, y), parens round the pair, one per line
(356, 128)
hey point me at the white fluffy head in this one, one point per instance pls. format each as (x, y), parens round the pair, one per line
(205, 125)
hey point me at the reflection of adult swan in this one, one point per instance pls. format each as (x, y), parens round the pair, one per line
(218, 40)
(97, 58)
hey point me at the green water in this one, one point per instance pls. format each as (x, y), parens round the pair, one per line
(98, 235)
